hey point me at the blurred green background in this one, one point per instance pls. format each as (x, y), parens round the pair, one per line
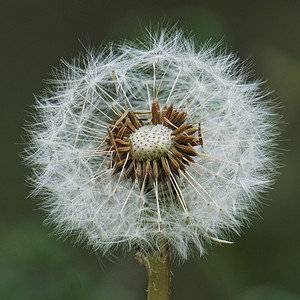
(262, 264)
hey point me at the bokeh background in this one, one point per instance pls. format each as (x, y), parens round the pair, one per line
(263, 263)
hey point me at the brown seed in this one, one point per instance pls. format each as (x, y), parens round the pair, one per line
(155, 113)
(173, 116)
(164, 111)
(122, 117)
(188, 149)
(148, 168)
(131, 150)
(182, 166)
(113, 141)
(200, 135)
(180, 119)
(122, 130)
(177, 153)
(144, 171)
(169, 124)
(190, 131)
(182, 128)
(133, 120)
(123, 149)
(187, 159)
(130, 127)
(138, 170)
(173, 162)
(121, 142)
(165, 166)
(168, 114)
(183, 138)
(155, 170)
(129, 169)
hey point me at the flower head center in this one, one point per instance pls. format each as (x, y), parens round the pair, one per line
(154, 147)
(151, 142)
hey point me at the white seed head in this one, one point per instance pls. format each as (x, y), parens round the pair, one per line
(158, 140)
(151, 142)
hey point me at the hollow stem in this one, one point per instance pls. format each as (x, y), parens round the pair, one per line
(157, 265)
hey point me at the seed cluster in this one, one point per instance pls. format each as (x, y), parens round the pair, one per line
(152, 147)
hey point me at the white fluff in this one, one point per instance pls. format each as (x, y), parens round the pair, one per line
(102, 210)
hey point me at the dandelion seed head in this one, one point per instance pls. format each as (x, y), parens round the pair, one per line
(149, 141)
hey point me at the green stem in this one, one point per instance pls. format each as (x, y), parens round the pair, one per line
(157, 264)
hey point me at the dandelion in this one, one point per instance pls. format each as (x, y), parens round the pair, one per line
(155, 146)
